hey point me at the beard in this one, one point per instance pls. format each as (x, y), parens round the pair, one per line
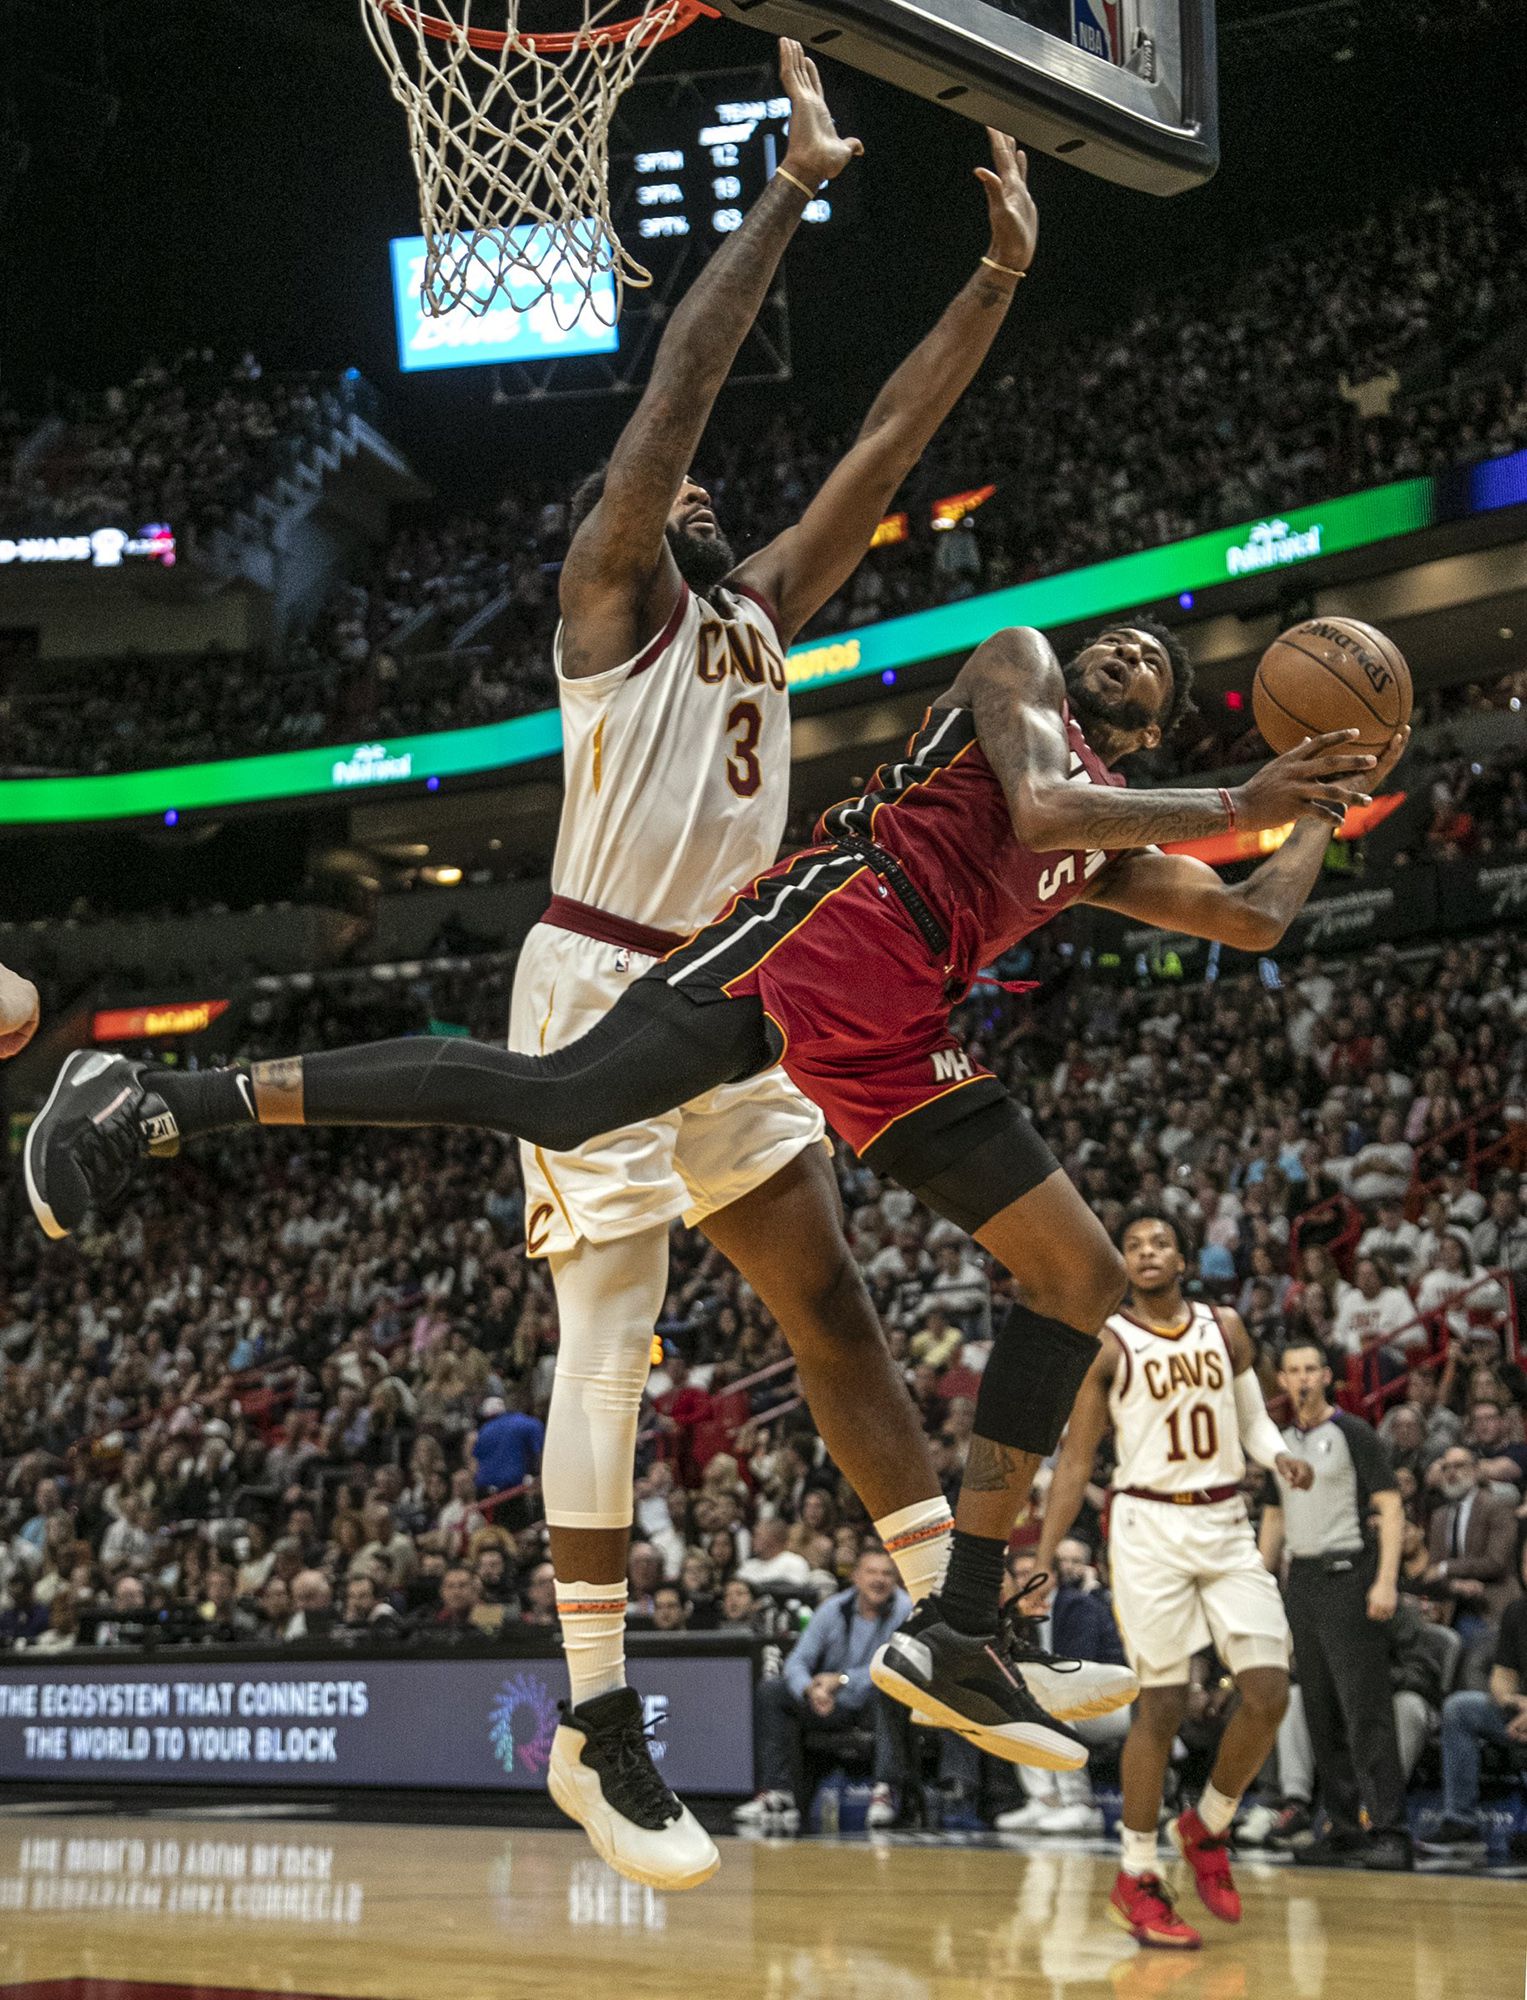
(703, 560)
(1456, 1489)
(1110, 711)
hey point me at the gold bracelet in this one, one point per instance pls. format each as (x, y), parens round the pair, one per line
(784, 174)
(992, 265)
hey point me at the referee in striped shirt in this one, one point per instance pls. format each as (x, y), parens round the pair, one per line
(1342, 1590)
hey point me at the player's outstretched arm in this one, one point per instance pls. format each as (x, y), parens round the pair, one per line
(802, 568)
(1073, 1469)
(1175, 892)
(620, 581)
(19, 1012)
(1258, 1433)
(1014, 687)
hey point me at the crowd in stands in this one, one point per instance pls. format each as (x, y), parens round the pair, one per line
(186, 442)
(1379, 338)
(297, 1388)
(1478, 808)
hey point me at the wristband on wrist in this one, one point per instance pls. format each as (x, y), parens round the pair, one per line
(784, 174)
(1227, 800)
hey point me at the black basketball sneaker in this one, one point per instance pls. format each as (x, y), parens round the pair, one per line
(973, 1686)
(100, 1119)
(602, 1775)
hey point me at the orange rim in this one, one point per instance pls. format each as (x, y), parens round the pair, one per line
(642, 28)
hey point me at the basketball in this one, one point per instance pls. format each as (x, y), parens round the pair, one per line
(1331, 673)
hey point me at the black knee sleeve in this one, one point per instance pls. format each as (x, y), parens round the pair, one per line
(1031, 1380)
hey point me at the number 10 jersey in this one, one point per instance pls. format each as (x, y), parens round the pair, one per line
(1173, 1406)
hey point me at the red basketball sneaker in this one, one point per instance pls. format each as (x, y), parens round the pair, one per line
(1142, 1905)
(1209, 1858)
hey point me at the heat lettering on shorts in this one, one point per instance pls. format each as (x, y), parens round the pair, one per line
(951, 1066)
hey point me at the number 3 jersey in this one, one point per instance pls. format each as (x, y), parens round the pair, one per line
(943, 814)
(1173, 1406)
(677, 767)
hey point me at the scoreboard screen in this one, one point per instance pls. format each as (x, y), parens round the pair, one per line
(693, 153)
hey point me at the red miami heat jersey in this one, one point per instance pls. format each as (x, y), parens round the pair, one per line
(944, 816)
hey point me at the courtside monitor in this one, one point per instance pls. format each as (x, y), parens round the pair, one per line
(1125, 89)
(568, 318)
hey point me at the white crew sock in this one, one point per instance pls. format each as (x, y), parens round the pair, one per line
(916, 1538)
(1216, 1811)
(1139, 1851)
(593, 1619)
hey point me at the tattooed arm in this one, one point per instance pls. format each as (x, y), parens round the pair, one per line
(620, 581)
(800, 569)
(1014, 687)
(1175, 892)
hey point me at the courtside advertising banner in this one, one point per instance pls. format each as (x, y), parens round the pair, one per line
(463, 1723)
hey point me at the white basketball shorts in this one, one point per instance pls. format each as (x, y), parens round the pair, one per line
(690, 1163)
(1186, 1577)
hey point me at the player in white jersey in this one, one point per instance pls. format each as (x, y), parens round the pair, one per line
(1175, 1382)
(671, 674)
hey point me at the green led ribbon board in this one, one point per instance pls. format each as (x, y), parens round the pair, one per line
(1253, 548)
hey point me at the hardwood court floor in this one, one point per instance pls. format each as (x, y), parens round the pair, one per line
(142, 1909)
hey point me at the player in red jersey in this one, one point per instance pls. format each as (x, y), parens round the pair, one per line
(842, 963)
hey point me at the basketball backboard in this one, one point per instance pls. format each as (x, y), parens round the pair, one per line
(1121, 88)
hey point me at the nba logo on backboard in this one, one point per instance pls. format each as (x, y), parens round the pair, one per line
(1096, 26)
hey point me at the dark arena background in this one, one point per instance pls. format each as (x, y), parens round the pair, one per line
(280, 770)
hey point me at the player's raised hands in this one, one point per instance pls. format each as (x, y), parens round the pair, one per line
(1320, 778)
(815, 152)
(1391, 754)
(1014, 218)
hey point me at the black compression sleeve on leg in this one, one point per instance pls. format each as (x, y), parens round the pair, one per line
(651, 1052)
(1030, 1381)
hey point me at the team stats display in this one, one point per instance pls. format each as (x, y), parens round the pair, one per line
(693, 153)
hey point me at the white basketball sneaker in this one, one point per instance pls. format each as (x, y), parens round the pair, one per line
(1068, 1690)
(602, 1775)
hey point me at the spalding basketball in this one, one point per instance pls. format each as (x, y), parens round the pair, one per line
(1331, 673)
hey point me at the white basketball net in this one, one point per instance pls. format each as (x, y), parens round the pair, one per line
(511, 146)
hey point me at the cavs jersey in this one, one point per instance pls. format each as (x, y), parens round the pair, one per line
(677, 767)
(1173, 1406)
(678, 775)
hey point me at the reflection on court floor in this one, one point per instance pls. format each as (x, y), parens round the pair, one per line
(112, 1909)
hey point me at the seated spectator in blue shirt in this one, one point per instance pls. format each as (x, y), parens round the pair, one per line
(826, 1686)
(1081, 1613)
(1470, 1720)
(508, 1447)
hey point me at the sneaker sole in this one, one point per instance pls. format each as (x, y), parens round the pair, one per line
(1144, 1937)
(1088, 1711)
(1028, 1743)
(46, 1220)
(1100, 1702)
(1174, 1835)
(650, 1878)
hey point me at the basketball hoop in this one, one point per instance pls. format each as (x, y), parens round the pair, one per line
(509, 131)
